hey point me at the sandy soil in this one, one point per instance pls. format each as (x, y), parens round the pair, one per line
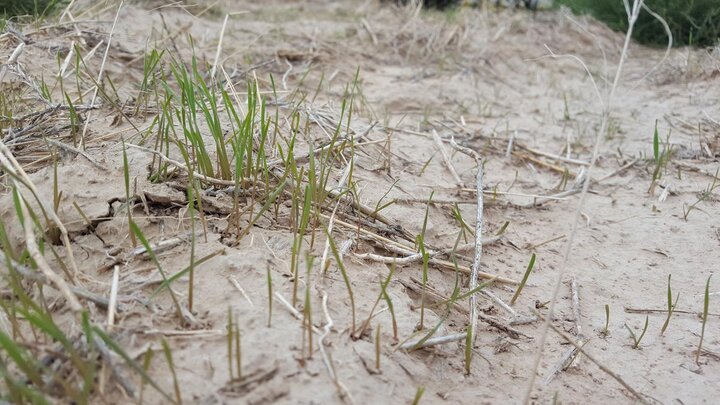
(487, 79)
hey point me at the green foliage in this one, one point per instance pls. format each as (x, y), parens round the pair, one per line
(29, 7)
(692, 22)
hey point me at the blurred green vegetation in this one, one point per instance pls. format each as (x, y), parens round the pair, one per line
(692, 22)
(9, 8)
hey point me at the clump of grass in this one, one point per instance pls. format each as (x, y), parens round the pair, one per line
(151, 76)
(637, 339)
(36, 8)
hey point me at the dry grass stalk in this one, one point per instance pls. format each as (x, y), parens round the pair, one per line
(446, 159)
(327, 358)
(44, 267)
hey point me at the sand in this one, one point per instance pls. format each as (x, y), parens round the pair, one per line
(486, 78)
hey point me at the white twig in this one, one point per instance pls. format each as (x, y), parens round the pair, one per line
(446, 159)
(294, 312)
(576, 307)
(500, 303)
(478, 236)
(237, 285)
(327, 359)
(434, 341)
(113, 296)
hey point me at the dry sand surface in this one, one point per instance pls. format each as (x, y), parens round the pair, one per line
(486, 79)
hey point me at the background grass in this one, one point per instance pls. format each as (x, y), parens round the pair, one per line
(692, 22)
(10, 8)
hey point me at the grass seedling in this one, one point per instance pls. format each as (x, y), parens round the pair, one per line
(418, 394)
(128, 200)
(637, 339)
(391, 308)
(671, 306)
(380, 206)
(420, 242)
(168, 282)
(171, 365)
(383, 289)
(307, 309)
(298, 240)
(24, 362)
(229, 340)
(606, 331)
(191, 267)
(425, 264)
(53, 232)
(268, 203)
(233, 346)
(377, 348)
(129, 361)
(74, 120)
(147, 358)
(26, 378)
(341, 266)
(706, 306)
(660, 159)
(524, 279)
(503, 228)
(704, 195)
(270, 293)
(238, 351)
(454, 297)
(464, 227)
(468, 349)
(149, 82)
(134, 229)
